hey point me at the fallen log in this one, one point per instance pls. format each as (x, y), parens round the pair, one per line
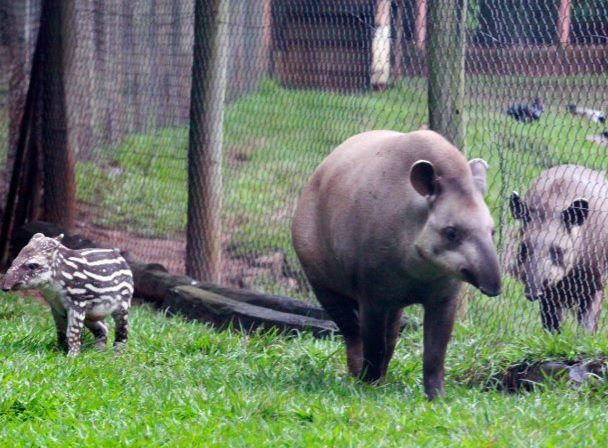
(223, 312)
(527, 376)
(154, 283)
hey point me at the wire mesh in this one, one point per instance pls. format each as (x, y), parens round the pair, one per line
(302, 76)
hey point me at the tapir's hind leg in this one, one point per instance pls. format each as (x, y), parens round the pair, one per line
(344, 311)
(393, 328)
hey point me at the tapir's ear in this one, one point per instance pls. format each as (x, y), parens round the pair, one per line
(576, 213)
(519, 209)
(424, 178)
(59, 238)
(479, 170)
(37, 236)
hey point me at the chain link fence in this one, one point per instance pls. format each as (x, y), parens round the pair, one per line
(301, 77)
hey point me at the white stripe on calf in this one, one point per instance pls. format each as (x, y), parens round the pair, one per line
(102, 262)
(107, 278)
(80, 275)
(95, 251)
(116, 288)
(70, 264)
(67, 275)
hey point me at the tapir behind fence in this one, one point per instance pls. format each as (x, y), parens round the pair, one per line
(561, 252)
(389, 220)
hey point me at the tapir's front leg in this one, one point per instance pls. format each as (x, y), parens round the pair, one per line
(551, 314)
(439, 319)
(74, 330)
(589, 310)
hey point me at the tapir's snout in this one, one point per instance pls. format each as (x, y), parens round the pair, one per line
(492, 292)
(488, 288)
(9, 282)
(484, 274)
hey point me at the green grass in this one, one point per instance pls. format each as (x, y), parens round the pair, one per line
(184, 384)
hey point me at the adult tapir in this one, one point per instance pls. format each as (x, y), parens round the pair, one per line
(562, 248)
(389, 220)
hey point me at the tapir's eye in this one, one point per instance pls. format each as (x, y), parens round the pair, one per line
(32, 266)
(557, 255)
(452, 234)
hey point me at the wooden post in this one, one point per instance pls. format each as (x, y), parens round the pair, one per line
(420, 24)
(78, 65)
(446, 22)
(203, 247)
(59, 176)
(267, 37)
(563, 22)
(381, 46)
(445, 51)
(399, 42)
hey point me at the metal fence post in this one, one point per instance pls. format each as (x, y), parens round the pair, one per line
(203, 246)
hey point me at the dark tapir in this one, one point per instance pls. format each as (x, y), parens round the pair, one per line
(388, 220)
(561, 252)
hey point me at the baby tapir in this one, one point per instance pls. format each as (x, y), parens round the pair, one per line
(389, 220)
(82, 287)
(562, 248)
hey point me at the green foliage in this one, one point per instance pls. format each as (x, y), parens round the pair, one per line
(184, 384)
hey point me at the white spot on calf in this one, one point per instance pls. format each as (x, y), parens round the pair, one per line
(76, 290)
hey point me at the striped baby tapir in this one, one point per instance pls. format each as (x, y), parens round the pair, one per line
(82, 287)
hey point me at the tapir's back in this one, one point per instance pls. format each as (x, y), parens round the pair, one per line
(558, 186)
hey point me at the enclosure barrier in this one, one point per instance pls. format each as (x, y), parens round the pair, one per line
(103, 129)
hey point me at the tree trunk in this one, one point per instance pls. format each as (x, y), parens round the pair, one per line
(203, 247)
(17, 32)
(563, 22)
(445, 52)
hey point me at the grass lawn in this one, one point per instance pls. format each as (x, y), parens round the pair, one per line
(184, 384)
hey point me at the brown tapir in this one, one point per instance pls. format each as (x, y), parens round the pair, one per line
(561, 254)
(388, 220)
